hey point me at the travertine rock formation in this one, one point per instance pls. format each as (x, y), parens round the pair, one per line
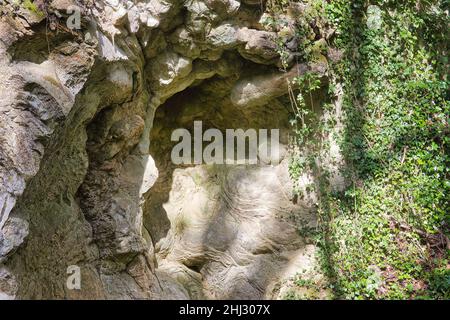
(85, 175)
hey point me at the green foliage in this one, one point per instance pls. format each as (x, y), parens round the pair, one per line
(385, 235)
(303, 112)
(30, 6)
(395, 142)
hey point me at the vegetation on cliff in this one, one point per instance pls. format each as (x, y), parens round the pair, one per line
(385, 235)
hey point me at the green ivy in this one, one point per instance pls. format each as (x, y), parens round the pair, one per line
(30, 6)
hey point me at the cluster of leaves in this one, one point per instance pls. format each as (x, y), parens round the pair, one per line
(394, 218)
(386, 234)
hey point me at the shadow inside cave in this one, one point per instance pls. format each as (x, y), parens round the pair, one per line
(230, 224)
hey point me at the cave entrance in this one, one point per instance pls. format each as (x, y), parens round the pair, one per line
(222, 231)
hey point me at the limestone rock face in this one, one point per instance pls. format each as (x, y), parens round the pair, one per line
(85, 173)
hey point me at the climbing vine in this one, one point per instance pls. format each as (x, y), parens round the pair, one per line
(385, 234)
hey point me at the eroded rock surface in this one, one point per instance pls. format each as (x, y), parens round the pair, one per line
(86, 116)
